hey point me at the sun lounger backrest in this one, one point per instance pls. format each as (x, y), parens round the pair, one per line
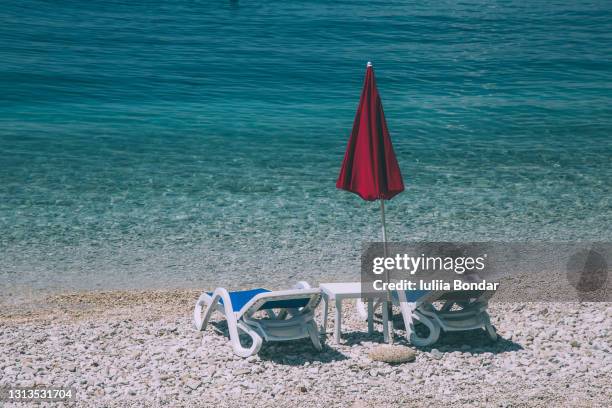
(285, 304)
(467, 295)
(420, 296)
(307, 299)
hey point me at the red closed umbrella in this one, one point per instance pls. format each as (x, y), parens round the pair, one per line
(370, 168)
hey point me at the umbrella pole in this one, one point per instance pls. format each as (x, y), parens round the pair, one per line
(387, 312)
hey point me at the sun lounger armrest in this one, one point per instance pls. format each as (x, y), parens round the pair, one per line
(211, 303)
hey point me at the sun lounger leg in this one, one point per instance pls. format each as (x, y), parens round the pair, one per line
(386, 323)
(234, 327)
(315, 337)
(434, 331)
(200, 321)
(490, 329)
(235, 339)
(370, 316)
(407, 309)
(337, 321)
(325, 313)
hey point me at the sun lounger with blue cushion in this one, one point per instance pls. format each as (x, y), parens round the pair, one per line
(440, 311)
(289, 315)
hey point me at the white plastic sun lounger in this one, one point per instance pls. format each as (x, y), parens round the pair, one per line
(294, 318)
(458, 311)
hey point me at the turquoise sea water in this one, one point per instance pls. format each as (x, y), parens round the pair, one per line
(191, 144)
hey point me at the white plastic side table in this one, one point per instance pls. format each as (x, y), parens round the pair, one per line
(336, 293)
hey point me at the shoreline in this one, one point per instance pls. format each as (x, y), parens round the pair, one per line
(121, 348)
(543, 287)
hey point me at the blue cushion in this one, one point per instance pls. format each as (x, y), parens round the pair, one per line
(240, 298)
(412, 295)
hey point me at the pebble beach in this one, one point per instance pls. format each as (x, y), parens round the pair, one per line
(153, 151)
(140, 349)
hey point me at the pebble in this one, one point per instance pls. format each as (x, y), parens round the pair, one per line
(193, 384)
(392, 354)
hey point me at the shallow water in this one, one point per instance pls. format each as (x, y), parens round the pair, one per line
(197, 143)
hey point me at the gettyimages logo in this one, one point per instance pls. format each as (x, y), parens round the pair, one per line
(516, 271)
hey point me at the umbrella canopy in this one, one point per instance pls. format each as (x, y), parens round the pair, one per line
(370, 168)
